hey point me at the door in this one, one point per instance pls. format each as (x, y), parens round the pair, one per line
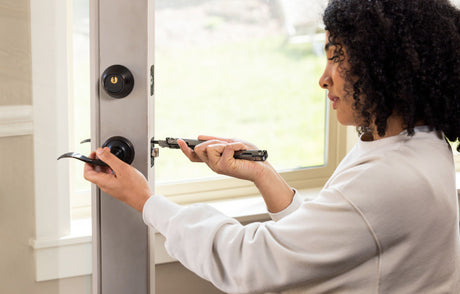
(55, 79)
(121, 38)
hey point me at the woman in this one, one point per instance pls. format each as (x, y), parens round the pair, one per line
(387, 219)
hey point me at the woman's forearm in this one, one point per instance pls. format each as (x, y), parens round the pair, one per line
(276, 192)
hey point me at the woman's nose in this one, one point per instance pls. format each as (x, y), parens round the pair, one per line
(325, 81)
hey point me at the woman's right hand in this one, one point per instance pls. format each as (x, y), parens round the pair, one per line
(120, 180)
(218, 153)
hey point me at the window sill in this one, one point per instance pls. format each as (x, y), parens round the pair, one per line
(64, 257)
(70, 256)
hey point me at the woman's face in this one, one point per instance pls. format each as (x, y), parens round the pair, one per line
(333, 80)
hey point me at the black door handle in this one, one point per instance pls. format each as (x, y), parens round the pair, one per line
(83, 158)
(119, 146)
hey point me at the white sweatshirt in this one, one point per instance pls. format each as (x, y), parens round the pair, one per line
(385, 222)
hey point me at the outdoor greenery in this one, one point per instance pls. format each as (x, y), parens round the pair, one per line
(263, 91)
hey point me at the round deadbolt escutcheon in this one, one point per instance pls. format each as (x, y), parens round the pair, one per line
(118, 81)
(121, 148)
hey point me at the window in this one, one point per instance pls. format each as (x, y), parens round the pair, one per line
(228, 63)
(246, 69)
(79, 118)
(61, 250)
(456, 155)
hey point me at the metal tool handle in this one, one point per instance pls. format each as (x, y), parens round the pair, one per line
(253, 155)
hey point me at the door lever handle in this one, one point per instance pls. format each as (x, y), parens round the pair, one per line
(83, 158)
(119, 146)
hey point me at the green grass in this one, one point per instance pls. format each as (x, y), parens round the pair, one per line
(259, 91)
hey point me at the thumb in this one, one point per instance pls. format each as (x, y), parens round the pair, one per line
(106, 156)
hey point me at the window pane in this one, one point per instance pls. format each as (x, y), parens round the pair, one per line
(247, 69)
(80, 107)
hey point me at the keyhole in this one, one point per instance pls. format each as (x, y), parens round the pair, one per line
(117, 81)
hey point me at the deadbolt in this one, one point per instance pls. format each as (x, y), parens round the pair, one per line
(117, 81)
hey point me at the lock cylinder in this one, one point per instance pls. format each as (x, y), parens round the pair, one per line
(117, 81)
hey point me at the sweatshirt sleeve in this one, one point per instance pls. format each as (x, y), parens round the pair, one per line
(320, 240)
(295, 204)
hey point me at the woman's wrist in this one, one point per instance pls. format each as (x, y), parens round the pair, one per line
(140, 205)
(276, 192)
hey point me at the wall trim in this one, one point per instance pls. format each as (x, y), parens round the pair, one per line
(16, 120)
(66, 256)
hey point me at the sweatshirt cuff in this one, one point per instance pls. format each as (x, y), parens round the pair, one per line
(158, 211)
(295, 204)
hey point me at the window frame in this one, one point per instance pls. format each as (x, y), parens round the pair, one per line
(457, 162)
(50, 92)
(60, 246)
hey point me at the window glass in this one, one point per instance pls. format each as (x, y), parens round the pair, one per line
(247, 69)
(79, 114)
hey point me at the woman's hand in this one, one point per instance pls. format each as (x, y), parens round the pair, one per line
(218, 153)
(121, 180)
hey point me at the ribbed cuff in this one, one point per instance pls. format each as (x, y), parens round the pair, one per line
(295, 204)
(158, 211)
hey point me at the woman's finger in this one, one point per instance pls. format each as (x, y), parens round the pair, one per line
(201, 150)
(248, 145)
(238, 146)
(116, 164)
(215, 151)
(191, 155)
(96, 176)
(208, 138)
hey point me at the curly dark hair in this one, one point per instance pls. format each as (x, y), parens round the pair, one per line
(404, 58)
